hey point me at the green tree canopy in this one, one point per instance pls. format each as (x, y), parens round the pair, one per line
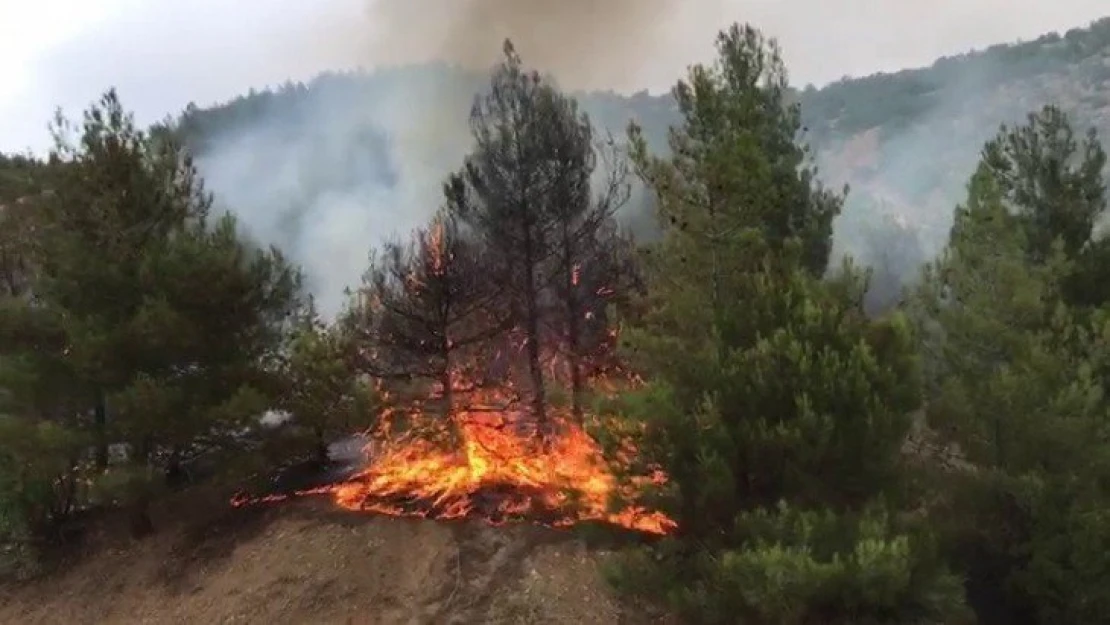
(1016, 376)
(145, 312)
(736, 155)
(776, 408)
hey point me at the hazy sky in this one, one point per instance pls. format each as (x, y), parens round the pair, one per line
(162, 54)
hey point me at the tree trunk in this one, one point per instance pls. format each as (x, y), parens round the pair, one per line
(323, 453)
(449, 399)
(577, 389)
(139, 518)
(448, 392)
(175, 474)
(574, 330)
(66, 493)
(100, 431)
(532, 332)
(535, 367)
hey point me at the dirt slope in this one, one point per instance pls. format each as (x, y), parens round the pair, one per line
(302, 562)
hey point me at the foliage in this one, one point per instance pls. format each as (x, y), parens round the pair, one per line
(790, 566)
(1016, 366)
(525, 192)
(1053, 183)
(813, 409)
(425, 307)
(322, 393)
(767, 383)
(138, 319)
(737, 145)
(38, 482)
(169, 316)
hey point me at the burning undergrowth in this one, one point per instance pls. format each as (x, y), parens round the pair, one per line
(472, 325)
(461, 434)
(486, 461)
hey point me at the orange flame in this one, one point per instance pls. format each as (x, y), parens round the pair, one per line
(496, 470)
(477, 457)
(567, 479)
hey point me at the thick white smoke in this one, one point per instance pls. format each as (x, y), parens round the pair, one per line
(314, 181)
(306, 181)
(314, 184)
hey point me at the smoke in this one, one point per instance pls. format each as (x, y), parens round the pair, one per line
(588, 44)
(910, 168)
(350, 167)
(361, 157)
(331, 172)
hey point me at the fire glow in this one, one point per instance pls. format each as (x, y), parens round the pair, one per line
(495, 469)
(466, 449)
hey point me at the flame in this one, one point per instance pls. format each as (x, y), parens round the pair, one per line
(478, 454)
(485, 462)
(566, 480)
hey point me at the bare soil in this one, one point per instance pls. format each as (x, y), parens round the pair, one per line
(304, 562)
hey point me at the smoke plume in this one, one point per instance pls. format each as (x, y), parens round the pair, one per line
(361, 158)
(587, 44)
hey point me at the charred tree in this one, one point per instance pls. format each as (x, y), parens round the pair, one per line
(609, 276)
(506, 193)
(583, 225)
(422, 303)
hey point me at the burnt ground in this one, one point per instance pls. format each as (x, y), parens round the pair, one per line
(303, 561)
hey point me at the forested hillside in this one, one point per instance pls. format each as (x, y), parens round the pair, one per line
(905, 141)
(755, 430)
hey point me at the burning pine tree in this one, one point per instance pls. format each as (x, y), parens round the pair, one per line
(426, 310)
(526, 192)
(469, 325)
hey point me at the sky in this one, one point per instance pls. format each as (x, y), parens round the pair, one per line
(162, 54)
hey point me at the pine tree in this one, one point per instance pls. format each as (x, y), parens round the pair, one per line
(982, 302)
(40, 447)
(1016, 378)
(425, 307)
(1052, 181)
(581, 223)
(322, 392)
(528, 173)
(735, 155)
(173, 326)
(775, 407)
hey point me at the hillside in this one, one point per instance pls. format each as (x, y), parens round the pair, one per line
(743, 428)
(904, 141)
(907, 141)
(305, 562)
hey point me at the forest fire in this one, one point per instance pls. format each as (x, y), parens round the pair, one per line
(470, 325)
(485, 463)
(499, 472)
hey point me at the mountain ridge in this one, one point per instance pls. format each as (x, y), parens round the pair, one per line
(328, 168)
(903, 141)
